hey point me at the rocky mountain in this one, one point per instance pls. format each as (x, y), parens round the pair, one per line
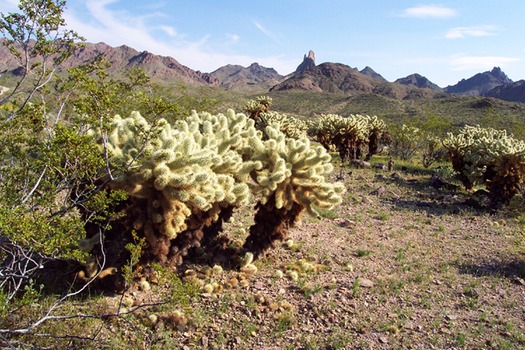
(337, 77)
(373, 74)
(419, 81)
(329, 77)
(233, 77)
(479, 84)
(509, 92)
(308, 62)
(122, 58)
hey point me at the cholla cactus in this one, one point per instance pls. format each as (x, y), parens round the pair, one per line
(347, 134)
(293, 179)
(376, 132)
(182, 179)
(184, 168)
(260, 105)
(177, 173)
(491, 157)
(290, 126)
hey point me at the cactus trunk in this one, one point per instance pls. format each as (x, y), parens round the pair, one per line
(271, 225)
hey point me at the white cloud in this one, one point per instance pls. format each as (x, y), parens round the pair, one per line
(233, 38)
(170, 31)
(476, 31)
(268, 33)
(469, 63)
(430, 11)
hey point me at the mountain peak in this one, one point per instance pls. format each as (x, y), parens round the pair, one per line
(373, 74)
(497, 72)
(480, 83)
(234, 77)
(308, 62)
(418, 81)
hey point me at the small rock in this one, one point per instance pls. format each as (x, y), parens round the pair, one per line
(364, 282)
(383, 339)
(519, 280)
(451, 317)
(378, 191)
(366, 200)
(204, 341)
(344, 222)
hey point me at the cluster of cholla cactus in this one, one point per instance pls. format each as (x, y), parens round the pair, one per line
(290, 126)
(184, 180)
(485, 156)
(348, 135)
(259, 110)
(254, 108)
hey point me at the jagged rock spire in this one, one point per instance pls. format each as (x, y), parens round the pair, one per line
(308, 62)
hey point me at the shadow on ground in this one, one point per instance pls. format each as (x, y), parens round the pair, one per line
(514, 269)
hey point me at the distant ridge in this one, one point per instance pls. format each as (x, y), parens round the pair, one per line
(327, 77)
(510, 92)
(419, 81)
(479, 84)
(340, 78)
(232, 77)
(123, 58)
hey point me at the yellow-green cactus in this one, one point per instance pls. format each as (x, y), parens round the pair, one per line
(207, 163)
(292, 127)
(488, 156)
(293, 179)
(347, 134)
(255, 107)
(294, 171)
(194, 163)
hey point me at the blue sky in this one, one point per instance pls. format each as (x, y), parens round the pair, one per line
(442, 40)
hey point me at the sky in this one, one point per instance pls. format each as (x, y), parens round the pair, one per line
(442, 40)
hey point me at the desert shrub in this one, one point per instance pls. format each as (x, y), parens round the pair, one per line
(432, 151)
(406, 142)
(409, 142)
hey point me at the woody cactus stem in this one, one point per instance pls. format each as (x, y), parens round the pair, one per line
(212, 232)
(202, 232)
(507, 182)
(271, 225)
